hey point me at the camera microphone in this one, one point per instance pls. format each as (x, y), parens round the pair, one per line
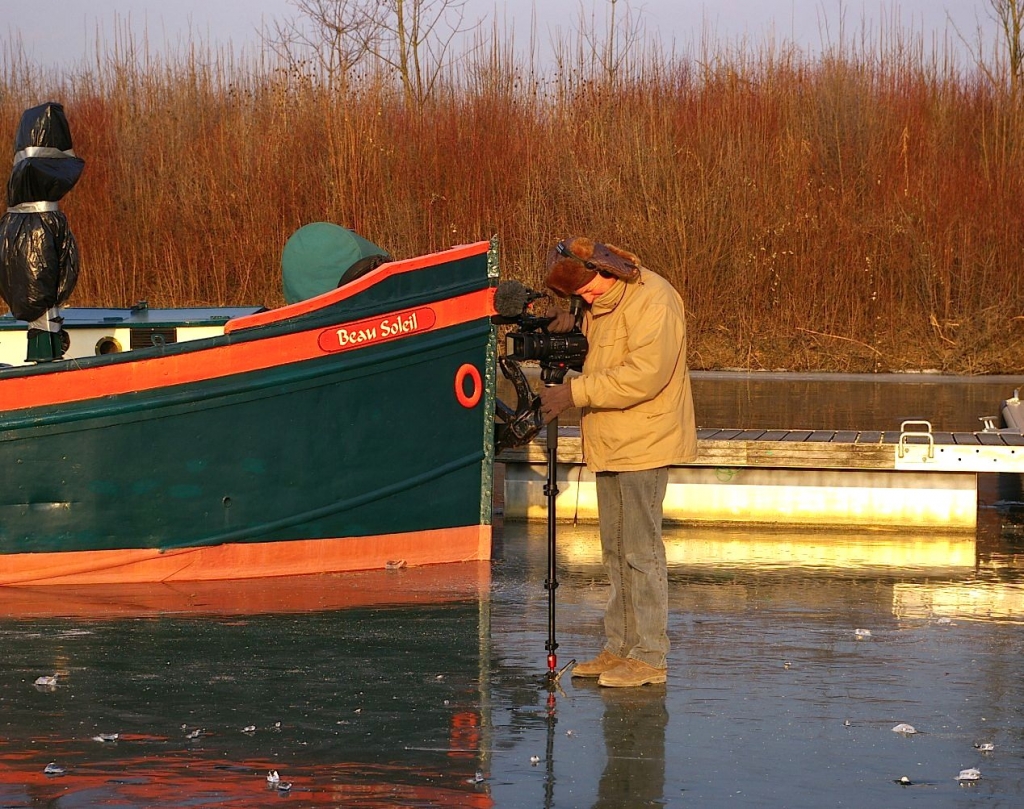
(576, 309)
(511, 299)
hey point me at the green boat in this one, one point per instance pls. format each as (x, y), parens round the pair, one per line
(351, 430)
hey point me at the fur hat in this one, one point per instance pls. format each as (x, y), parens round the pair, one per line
(574, 263)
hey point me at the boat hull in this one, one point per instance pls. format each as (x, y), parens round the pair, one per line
(341, 434)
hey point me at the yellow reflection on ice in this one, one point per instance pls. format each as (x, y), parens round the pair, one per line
(847, 551)
(969, 601)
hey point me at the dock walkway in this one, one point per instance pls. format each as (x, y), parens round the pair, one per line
(907, 478)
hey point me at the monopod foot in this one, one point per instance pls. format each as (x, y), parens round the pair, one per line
(556, 676)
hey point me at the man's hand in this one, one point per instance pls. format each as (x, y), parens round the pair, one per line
(563, 321)
(554, 400)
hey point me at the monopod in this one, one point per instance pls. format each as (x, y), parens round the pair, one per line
(551, 583)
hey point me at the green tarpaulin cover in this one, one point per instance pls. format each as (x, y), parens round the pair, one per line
(317, 257)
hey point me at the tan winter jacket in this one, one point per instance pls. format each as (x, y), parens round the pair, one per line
(635, 385)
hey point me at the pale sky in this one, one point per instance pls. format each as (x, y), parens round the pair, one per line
(64, 32)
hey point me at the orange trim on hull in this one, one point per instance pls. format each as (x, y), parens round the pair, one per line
(359, 285)
(248, 560)
(83, 384)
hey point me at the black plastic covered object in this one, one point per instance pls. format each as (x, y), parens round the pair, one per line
(38, 252)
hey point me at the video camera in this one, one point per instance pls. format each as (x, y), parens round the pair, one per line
(557, 354)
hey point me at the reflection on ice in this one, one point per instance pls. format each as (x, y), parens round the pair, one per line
(970, 600)
(847, 551)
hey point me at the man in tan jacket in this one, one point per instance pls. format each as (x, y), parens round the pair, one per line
(637, 421)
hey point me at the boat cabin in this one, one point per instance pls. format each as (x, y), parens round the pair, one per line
(95, 331)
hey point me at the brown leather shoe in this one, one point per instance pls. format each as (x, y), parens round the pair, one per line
(598, 666)
(632, 673)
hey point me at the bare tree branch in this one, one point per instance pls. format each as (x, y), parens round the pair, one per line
(413, 38)
(1009, 16)
(328, 34)
(1008, 63)
(610, 50)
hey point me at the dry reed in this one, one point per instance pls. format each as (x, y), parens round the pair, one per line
(856, 211)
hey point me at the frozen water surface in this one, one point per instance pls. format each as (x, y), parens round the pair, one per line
(442, 699)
